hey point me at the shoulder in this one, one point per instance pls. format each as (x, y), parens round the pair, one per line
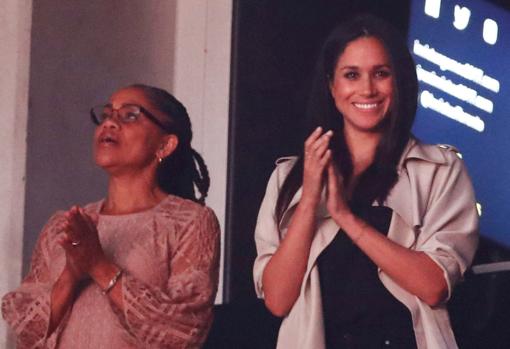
(56, 218)
(51, 227)
(93, 207)
(286, 162)
(184, 211)
(190, 224)
(283, 167)
(439, 165)
(435, 168)
(422, 154)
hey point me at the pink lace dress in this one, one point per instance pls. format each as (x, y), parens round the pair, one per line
(170, 258)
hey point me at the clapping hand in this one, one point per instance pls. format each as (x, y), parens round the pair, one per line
(336, 195)
(317, 156)
(81, 243)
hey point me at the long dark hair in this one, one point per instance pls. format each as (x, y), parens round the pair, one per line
(184, 169)
(377, 180)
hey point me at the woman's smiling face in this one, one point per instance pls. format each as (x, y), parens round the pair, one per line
(362, 86)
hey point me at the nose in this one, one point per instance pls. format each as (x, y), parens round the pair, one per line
(368, 87)
(112, 121)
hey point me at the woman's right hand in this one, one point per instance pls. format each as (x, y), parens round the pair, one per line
(72, 269)
(67, 286)
(316, 158)
(283, 275)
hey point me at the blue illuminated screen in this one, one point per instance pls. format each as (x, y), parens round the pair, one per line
(462, 54)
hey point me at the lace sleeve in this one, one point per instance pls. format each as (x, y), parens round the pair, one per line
(27, 309)
(180, 316)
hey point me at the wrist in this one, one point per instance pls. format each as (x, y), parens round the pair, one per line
(112, 282)
(354, 227)
(106, 275)
(344, 218)
(307, 204)
(68, 279)
(102, 269)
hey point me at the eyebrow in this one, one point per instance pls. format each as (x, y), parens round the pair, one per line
(126, 104)
(355, 67)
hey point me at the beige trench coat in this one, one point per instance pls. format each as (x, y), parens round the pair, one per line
(434, 211)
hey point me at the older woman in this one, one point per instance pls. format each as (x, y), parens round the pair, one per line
(138, 269)
(362, 237)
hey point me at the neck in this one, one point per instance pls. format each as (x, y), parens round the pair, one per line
(362, 147)
(132, 193)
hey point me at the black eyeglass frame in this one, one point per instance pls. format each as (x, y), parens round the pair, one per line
(141, 109)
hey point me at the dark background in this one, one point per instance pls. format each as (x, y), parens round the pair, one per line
(273, 53)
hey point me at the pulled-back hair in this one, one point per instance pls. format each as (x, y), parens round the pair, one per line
(377, 180)
(184, 169)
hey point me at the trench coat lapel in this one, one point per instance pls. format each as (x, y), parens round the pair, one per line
(407, 198)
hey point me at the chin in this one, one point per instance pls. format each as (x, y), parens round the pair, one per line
(370, 126)
(104, 161)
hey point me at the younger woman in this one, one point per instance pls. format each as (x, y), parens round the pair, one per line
(362, 237)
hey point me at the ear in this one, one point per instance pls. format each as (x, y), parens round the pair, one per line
(168, 145)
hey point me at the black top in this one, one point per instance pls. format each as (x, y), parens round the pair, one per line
(359, 312)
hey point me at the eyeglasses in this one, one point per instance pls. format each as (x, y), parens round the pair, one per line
(127, 114)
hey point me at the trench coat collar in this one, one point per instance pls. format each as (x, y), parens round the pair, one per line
(427, 152)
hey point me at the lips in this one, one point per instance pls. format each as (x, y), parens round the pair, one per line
(108, 138)
(367, 106)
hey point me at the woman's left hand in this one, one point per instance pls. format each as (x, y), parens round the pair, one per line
(336, 201)
(82, 246)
